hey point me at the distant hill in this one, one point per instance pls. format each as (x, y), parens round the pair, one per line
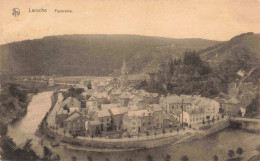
(242, 52)
(92, 55)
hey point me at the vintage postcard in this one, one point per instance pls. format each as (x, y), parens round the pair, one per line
(129, 80)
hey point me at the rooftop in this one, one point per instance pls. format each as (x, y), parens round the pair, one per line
(103, 113)
(118, 111)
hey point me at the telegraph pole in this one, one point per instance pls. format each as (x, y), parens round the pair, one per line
(182, 113)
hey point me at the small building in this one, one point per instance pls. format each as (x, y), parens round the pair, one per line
(75, 122)
(193, 116)
(93, 127)
(51, 82)
(124, 99)
(61, 115)
(117, 117)
(157, 116)
(105, 119)
(231, 106)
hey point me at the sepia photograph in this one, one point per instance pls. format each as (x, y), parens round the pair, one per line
(129, 80)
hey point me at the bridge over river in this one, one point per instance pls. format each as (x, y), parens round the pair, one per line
(243, 119)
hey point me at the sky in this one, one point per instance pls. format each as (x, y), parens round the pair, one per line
(208, 19)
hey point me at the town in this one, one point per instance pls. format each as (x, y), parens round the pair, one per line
(113, 108)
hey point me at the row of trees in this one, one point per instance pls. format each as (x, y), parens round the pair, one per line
(187, 75)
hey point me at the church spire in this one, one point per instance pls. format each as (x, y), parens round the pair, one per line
(124, 69)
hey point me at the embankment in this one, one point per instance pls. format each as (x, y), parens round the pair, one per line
(109, 145)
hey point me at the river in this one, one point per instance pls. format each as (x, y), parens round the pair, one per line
(198, 150)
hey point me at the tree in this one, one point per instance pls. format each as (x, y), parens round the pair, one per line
(89, 85)
(90, 158)
(129, 136)
(231, 153)
(57, 157)
(215, 158)
(240, 151)
(167, 158)
(147, 134)
(144, 83)
(149, 158)
(207, 117)
(203, 121)
(73, 158)
(46, 153)
(185, 158)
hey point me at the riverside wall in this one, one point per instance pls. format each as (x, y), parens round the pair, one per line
(134, 144)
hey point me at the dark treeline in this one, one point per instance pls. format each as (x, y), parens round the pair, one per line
(187, 75)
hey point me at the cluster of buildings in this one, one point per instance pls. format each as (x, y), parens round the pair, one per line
(190, 109)
(119, 108)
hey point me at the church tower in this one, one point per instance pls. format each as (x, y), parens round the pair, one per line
(123, 77)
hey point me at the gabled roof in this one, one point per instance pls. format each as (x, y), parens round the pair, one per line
(125, 95)
(118, 111)
(173, 99)
(109, 106)
(139, 113)
(73, 116)
(156, 107)
(103, 113)
(196, 111)
(94, 122)
(61, 111)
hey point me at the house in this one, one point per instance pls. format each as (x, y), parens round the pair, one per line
(51, 82)
(172, 103)
(92, 102)
(105, 119)
(157, 116)
(93, 127)
(117, 117)
(136, 101)
(101, 98)
(193, 116)
(140, 120)
(136, 79)
(231, 106)
(61, 115)
(114, 95)
(124, 99)
(211, 107)
(154, 98)
(75, 122)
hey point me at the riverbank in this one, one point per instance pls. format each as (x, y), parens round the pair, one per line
(129, 144)
(14, 104)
